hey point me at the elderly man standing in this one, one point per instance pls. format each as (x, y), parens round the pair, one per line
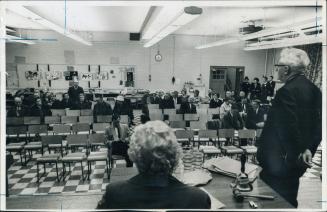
(292, 132)
(74, 92)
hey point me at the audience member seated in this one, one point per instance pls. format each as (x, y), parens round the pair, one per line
(81, 104)
(155, 151)
(256, 116)
(176, 99)
(121, 108)
(210, 94)
(246, 86)
(255, 89)
(225, 107)
(74, 93)
(243, 107)
(232, 119)
(215, 101)
(167, 102)
(19, 110)
(197, 98)
(101, 108)
(272, 84)
(187, 106)
(63, 103)
(117, 136)
(40, 110)
(265, 89)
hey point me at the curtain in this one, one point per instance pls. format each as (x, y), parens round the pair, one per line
(314, 70)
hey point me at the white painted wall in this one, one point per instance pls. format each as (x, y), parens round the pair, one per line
(188, 62)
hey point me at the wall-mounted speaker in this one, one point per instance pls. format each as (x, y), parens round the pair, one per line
(134, 36)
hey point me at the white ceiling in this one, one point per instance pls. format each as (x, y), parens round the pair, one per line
(213, 21)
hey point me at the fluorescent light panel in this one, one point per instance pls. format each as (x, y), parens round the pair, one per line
(181, 19)
(16, 39)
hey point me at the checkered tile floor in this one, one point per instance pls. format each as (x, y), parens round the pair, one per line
(22, 180)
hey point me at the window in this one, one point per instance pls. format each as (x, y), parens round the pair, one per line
(218, 74)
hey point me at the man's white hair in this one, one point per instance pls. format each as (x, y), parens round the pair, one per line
(293, 57)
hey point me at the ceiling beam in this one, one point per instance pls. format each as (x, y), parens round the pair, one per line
(21, 10)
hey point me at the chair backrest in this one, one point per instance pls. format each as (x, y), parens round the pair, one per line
(52, 119)
(155, 116)
(177, 124)
(204, 106)
(191, 117)
(68, 119)
(199, 125)
(73, 112)
(32, 120)
(124, 119)
(86, 112)
(246, 134)
(208, 134)
(61, 128)
(14, 121)
(203, 114)
(58, 112)
(178, 106)
(184, 134)
(153, 106)
(86, 119)
(42, 128)
(16, 130)
(80, 139)
(81, 127)
(97, 138)
(212, 111)
(169, 111)
(99, 126)
(226, 133)
(176, 117)
(51, 139)
(104, 119)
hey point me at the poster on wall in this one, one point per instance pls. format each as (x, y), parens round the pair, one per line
(53, 75)
(32, 75)
(102, 76)
(86, 76)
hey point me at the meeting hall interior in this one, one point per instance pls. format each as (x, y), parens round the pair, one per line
(177, 103)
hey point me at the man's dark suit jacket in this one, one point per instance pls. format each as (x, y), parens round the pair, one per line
(215, 103)
(232, 122)
(74, 93)
(187, 108)
(253, 118)
(12, 112)
(146, 192)
(167, 104)
(293, 125)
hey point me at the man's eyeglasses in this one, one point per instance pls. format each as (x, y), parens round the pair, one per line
(280, 65)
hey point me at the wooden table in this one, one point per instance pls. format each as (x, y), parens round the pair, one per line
(220, 189)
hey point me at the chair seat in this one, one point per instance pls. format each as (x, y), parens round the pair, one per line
(56, 145)
(210, 150)
(15, 146)
(33, 145)
(48, 158)
(232, 149)
(117, 157)
(96, 156)
(77, 156)
(98, 144)
(249, 149)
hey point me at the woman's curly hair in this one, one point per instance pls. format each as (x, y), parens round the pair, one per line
(154, 148)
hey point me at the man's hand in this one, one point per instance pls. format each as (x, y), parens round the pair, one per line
(306, 158)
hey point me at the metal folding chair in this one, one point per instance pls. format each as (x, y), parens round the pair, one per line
(81, 127)
(249, 135)
(52, 120)
(185, 136)
(191, 117)
(14, 121)
(177, 124)
(86, 119)
(33, 132)
(153, 106)
(58, 112)
(227, 135)
(69, 119)
(99, 127)
(73, 112)
(61, 129)
(86, 112)
(15, 145)
(104, 119)
(207, 136)
(32, 120)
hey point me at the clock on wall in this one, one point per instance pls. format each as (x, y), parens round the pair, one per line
(158, 57)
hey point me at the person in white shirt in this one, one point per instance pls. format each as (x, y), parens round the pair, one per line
(225, 107)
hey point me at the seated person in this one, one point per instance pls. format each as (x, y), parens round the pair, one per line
(240, 97)
(121, 108)
(74, 92)
(156, 152)
(256, 116)
(19, 110)
(82, 104)
(187, 106)
(63, 103)
(167, 102)
(225, 107)
(215, 101)
(40, 110)
(176, 99)
(101, 108)
(232, 119)
(197, 98)
(117, 136)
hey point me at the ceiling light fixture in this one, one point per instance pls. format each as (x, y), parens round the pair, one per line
(11, 38)
(184, 17)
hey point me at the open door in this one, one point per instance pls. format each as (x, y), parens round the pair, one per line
(217, 79)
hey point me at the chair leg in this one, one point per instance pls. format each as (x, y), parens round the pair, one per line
(44, 168)
(82, 171)
(57, 171)
(37, 172)
(88, 170)
(107, 164)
